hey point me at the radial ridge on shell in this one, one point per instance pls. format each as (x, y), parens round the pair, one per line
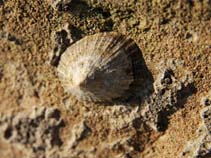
(98, 67)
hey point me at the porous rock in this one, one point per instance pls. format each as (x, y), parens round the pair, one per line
(37, 131)
(167, 91)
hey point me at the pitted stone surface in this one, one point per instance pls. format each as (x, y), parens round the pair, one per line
(38, 131)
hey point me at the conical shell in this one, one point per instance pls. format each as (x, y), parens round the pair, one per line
(98, 68)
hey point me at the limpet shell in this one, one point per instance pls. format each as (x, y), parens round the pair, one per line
(98, 67)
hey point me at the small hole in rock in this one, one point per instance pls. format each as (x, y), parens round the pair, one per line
(8, 133)
(201, 76)
(205, 116)
(188, 35)
(164, 21)
(162, 92)
(56, 114)
(207, 102)
(137, 123)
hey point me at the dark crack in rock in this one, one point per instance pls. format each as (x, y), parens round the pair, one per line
(38, 132)
(170, 94)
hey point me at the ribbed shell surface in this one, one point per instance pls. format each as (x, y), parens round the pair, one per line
(98, 68)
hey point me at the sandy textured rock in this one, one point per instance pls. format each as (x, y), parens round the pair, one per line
(60, 5)
(37, 131)
(166, 116)
(200, 146)
(168, 92)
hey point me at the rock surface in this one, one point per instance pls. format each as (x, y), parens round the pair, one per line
(168, 117)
